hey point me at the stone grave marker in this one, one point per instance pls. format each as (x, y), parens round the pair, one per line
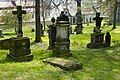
(52, 34)
(20, 46)
(19, 13)
(64, 64)
(20, 49)
(62, 36)
(97, 37)
(108, 39)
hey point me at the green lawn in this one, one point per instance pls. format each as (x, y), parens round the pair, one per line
(98, 64)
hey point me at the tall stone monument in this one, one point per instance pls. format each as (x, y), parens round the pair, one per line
(78, 28)
(62, 36)
(97, 37)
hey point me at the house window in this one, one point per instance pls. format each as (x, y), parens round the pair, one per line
(4, 0)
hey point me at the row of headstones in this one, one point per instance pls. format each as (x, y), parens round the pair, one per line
(97, 37)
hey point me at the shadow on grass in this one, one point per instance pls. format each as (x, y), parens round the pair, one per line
(6, 60)
(110, 54)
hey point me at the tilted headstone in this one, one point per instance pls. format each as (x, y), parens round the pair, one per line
(19, 13)
(97, 38)
(62, 43)
(64, 64)
(52, 34)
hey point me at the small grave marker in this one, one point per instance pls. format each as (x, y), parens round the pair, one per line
(64, 64)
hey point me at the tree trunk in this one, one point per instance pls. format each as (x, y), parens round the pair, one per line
(43, 15)
(114, 15)
(37, 22)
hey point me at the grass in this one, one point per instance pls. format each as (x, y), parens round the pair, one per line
(98, 64)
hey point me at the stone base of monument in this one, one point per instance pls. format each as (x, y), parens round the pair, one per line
(61, 49)
(97, 41)
(20, 49)
(64, 64)
(21, 58)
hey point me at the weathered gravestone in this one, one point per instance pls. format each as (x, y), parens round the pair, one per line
(52, 34)
(78, 28)
(20, 49)
(62, 36)
(64, 64)
(97, 38)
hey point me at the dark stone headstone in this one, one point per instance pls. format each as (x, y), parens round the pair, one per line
(20, 49)
(64, 64)
(108, 39)
(97, 38)
(52, 34)
(97, 41)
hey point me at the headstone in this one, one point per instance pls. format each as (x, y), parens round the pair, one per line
(20, 49)
(79, 26)
(108, 39)
(52, 34)
(64, 64)
(19, 13)
(97, 38)
(62, 36)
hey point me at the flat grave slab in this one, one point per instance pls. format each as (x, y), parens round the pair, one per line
(64, 63)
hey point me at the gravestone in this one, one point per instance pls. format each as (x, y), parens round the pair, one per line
(108, 39)
(62, 36)
(20, 49)
(20, 46)
(97, 37)
(78, 28)
(52, 34)
(64, 64)
(19, 13)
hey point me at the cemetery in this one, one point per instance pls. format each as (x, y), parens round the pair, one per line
(59, 50)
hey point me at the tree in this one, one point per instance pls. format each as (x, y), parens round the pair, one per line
(10, 20)
(37, 21)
